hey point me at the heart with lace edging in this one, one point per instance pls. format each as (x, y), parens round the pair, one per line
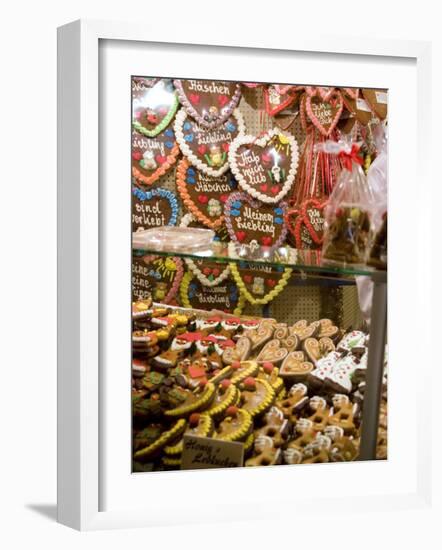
(265, 167)
(206, 149)
(204, 195)
(324, 113)
(153, 157)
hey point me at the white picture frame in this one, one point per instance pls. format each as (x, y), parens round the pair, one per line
(82, 259)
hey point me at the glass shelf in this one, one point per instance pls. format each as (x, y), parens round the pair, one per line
(304, 262)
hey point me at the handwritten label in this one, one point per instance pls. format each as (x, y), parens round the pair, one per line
(362, 105)
(381, 97)
(203, 452)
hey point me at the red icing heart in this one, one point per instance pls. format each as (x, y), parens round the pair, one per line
(202, 149)
(240, 235)
(275, 189)
(203, 199)
(216, 271)
(263, 187)
(248, 278)
(161, 159)
(194, 98)
(223, 198)
(223, 100)
(207, 271)
(136, 155)
(265, 157)
(270, 282)
(266, 241)
(225, 146)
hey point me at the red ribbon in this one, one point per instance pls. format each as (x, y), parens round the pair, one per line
(352, 156)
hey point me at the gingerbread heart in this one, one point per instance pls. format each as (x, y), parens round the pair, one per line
(265, 167)
(154, 208)
(277, 98)
(304, 330)
(294, 367)
(324, 114)
(260, 284)
(327, 329)
(223, 297)
(260, 335)
(297, 228)
(209, 102)
(154, 104)
(252, 225)
(313, 216)
(207, 149)
(208, 273)
(156, 276)
(240, 352)
(204, 195)
(272, 352)
(153, 157)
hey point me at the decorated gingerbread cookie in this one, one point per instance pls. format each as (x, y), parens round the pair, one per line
(207, 149)
(209, 102)
(260, 284)
(153, 157)
(324, 110)
(203, 195)
(156, 276)
(278, 97)
(224, 297)
(265, 167)
(154, 104)
(153, 208)
(252, 225)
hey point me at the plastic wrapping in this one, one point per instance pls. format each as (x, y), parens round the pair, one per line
(173, 239)
(349, 210)
(378, 181)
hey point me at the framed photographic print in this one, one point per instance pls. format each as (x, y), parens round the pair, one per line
(223, 275)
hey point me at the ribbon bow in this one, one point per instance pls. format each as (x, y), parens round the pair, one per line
(352, 156)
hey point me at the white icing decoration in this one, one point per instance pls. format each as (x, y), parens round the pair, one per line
(247, 140)
(186, 150)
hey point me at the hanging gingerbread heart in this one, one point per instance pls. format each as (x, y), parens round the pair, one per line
(312, 211)
(223, 297)
(207, 272)
(252, 225)
(378, 101)
(153, 157)
(154, 208)
(204, 195)
(277, 98)
(207, 149)
(209, 102)
(260, 284)
(154, 104)
(324, 114)
(265, 167)
(157, 276)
